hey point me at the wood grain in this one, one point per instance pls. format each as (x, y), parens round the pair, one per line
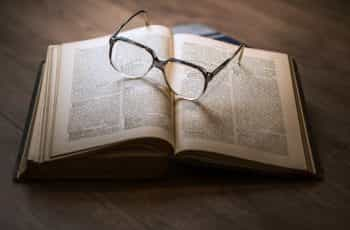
(316, 33)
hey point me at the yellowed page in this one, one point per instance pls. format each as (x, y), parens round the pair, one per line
(34, 150)
(95, 105)
(248, 111)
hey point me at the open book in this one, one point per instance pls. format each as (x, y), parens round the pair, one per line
(89, 121)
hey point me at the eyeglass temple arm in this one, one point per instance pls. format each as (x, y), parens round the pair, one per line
(240, 50)
(130, 18)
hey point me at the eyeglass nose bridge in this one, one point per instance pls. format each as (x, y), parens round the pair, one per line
(209, 76)
(159, 63)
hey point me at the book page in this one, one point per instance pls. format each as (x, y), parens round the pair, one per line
(247, 111)
(97, 105)
(34, 149)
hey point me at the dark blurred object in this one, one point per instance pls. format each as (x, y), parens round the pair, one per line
(206, 31)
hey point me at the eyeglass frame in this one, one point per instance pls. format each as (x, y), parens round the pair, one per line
(160, 64)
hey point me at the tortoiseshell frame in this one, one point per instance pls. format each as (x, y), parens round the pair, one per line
(160, 64)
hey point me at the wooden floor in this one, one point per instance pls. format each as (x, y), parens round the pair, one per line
(316, 33)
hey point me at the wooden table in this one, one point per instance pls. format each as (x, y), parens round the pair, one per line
(316, 33)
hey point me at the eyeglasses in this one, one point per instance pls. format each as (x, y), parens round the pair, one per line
(135, 60)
